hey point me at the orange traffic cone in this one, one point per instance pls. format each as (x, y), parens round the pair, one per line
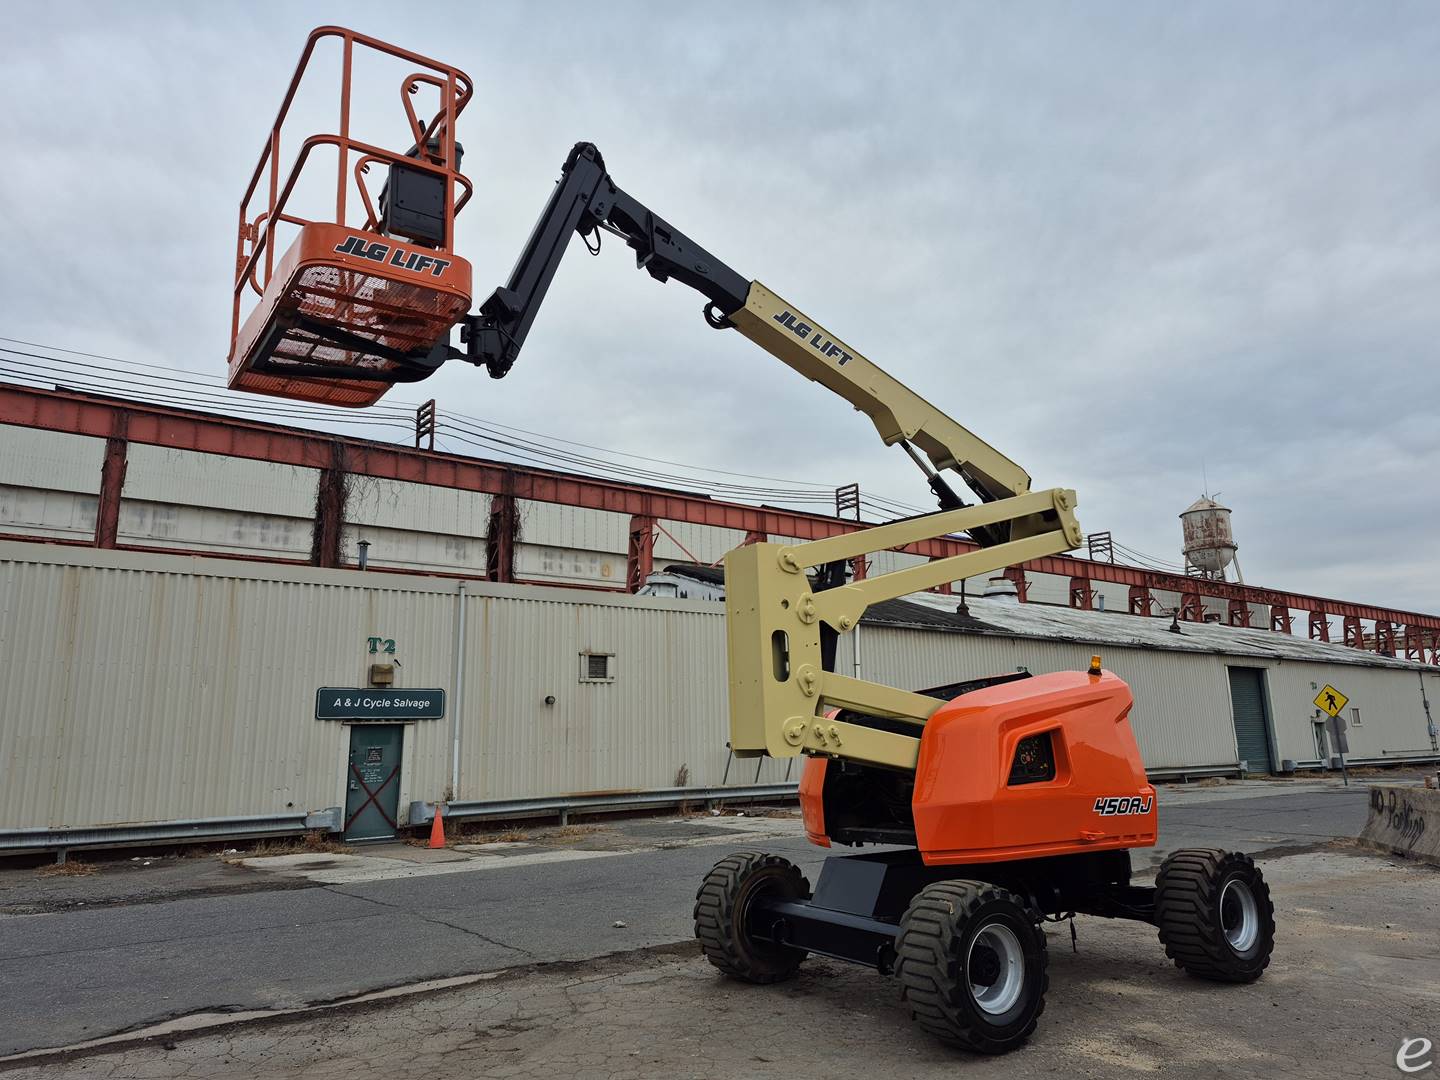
(437, 827)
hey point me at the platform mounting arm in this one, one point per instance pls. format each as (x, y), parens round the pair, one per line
(586, 200)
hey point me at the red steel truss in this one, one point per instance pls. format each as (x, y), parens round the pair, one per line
(121, 422)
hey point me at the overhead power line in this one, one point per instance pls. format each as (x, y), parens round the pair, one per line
(37, 364)
(1148, 562)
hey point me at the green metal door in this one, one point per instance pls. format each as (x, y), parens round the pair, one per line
(372, 775)
(1252, 722)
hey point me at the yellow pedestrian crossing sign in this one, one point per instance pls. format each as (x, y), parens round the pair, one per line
(1330, 700)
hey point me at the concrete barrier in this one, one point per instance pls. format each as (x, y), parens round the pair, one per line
(1405, 820)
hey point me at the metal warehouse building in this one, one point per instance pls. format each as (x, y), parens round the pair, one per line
(154, 694)
(178, 587)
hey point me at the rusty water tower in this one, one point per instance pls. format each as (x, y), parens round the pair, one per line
(1209, 547)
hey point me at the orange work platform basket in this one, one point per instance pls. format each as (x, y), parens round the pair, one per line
(353, 307)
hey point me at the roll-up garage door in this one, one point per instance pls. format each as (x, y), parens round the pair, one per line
(1252, 728)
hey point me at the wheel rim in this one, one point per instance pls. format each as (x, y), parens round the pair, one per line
(995, 969)
(761, 885)
(1239, 915)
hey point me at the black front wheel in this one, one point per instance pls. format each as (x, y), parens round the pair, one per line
(971, 961)
(1214, 913)
(722, 907)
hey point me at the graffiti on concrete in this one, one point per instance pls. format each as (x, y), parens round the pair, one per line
(1398, 814)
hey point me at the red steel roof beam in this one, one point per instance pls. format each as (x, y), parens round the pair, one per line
(157, 425)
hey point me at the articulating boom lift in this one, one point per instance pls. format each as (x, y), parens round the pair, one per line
(1001, 802)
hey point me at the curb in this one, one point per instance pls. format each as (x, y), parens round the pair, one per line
(194, 1025)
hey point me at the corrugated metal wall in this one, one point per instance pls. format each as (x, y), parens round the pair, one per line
(155, 687)
(1182, 716)
(147, 687)
(416, 526)
(665, 710)
(143, 688)
(51, 459)
(1391, 720)
(49, 482)
(1182, 712)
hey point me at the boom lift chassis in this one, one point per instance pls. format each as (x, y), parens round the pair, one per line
(1001, 802)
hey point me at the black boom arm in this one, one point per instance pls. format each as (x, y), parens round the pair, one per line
(585, 200)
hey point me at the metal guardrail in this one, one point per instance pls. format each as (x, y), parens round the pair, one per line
(1181, 772)
(422, 813)
(1408, 757)
(13, 841)
(16, 841)
(1399, 757)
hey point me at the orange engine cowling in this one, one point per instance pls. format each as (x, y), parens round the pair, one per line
(1033, 767)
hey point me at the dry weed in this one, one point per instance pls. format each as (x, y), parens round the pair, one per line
(69, 868)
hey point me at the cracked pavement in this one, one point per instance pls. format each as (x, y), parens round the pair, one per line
(1353, 975)
(88, 972)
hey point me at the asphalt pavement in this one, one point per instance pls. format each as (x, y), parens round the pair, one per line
(82, 973)
(1349, 993)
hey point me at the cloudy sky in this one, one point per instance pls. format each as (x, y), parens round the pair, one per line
(1132, 244)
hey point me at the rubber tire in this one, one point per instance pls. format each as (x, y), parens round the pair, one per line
(720, 908)
(935, 936)
(1187, 912)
